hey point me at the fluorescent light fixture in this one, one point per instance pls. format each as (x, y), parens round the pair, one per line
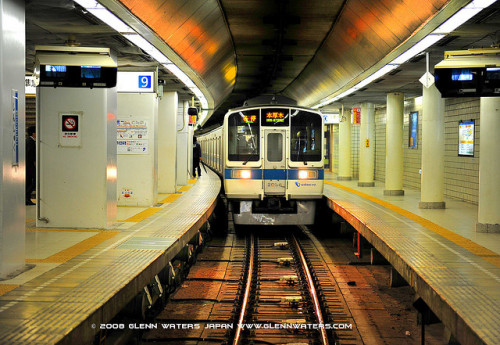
(139, 41)
(110, 19)
(424, 43)
(117, 24)
(462, 16)
(88, 3)
(180, 74)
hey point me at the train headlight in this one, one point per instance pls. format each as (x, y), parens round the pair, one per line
(244, 174)
(307, 174)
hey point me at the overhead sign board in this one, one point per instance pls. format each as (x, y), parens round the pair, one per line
(330, 119)
(138, 82)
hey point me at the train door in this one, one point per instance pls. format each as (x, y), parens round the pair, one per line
(274, 161)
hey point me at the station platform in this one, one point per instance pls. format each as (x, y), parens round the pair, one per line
(81, 278)
(455, 270)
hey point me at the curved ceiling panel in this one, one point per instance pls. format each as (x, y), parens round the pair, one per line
(197, 32)
(366, 32)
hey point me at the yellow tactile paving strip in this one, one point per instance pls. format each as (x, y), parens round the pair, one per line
(463, 242)
(81, 291)
(171, 198)
(4, 288)
(78, 248)
(185, 188)
(143, 215)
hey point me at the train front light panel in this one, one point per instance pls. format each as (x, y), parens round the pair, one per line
(243, 174)
(307, 174)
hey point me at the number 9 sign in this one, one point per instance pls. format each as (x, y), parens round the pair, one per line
(144, 81)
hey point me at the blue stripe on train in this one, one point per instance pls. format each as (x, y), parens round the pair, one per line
(274, 174)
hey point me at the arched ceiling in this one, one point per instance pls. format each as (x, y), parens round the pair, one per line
(239, 49)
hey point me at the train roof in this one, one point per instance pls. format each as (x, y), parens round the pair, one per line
(272, 106)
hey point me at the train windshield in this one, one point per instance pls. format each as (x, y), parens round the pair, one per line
(243, 136)
(305, 136)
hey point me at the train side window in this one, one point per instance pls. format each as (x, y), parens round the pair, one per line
(305, 136)
(244, 136)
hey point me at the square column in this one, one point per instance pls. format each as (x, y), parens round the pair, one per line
(138, 159)
(167, 142)
(489, 166)
(394, 145)
(77, 182)
(345, 146)
(367, 146)
(12, 137)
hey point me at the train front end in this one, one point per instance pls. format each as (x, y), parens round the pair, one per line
(273, 172)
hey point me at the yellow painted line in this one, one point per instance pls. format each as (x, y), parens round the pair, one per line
(438, 267)
(191, 181)
(185, 188)
(4, 288)
(132, 206)
(171, 198)
(64, 230)
(77, 249)
(144, 214)
(29, 220)
(463, 242)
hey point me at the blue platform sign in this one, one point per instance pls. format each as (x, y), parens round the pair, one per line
(137, 82)
(144, 81)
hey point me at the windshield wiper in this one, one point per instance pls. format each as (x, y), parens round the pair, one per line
(251, 155)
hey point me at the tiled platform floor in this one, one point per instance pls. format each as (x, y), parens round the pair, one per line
(455, 270)
(83, 277)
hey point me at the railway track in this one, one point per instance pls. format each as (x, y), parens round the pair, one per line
(267, 288)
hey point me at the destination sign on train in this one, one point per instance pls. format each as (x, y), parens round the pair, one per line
(275, 117)
(249, 118)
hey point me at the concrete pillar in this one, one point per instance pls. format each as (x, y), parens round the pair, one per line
(331, 148)
(67, 192)
(345, 146)
(489, 166)
(394, 145)
(167, 142)
(12, 137)
(184, 146)
(367, 146)
(432, 190)
(138, 170)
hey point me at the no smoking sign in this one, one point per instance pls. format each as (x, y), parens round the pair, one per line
(70, 123)
(69, 134)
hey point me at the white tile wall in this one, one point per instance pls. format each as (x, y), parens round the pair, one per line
(461, 173)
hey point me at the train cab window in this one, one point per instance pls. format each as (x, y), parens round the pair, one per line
(274, 147)
(305, 136)
(244, 136)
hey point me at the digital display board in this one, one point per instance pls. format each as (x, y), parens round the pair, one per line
(277, 117)
(77, 76)
(90, 72)
(466, 138)
(413, 128)
(249, 118)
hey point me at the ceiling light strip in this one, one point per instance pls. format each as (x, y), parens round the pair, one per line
(463, 15)
(117, 24)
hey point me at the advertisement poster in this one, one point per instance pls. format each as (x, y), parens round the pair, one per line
(413, 128)
(466, 138)
(132, 136)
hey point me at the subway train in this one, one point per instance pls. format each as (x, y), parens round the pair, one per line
(270, 158)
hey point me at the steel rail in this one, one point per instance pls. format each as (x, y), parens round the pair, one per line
(312, 291)
(248, 287)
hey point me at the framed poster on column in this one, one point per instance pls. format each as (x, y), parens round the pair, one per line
(413, 130)
(466, 138)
